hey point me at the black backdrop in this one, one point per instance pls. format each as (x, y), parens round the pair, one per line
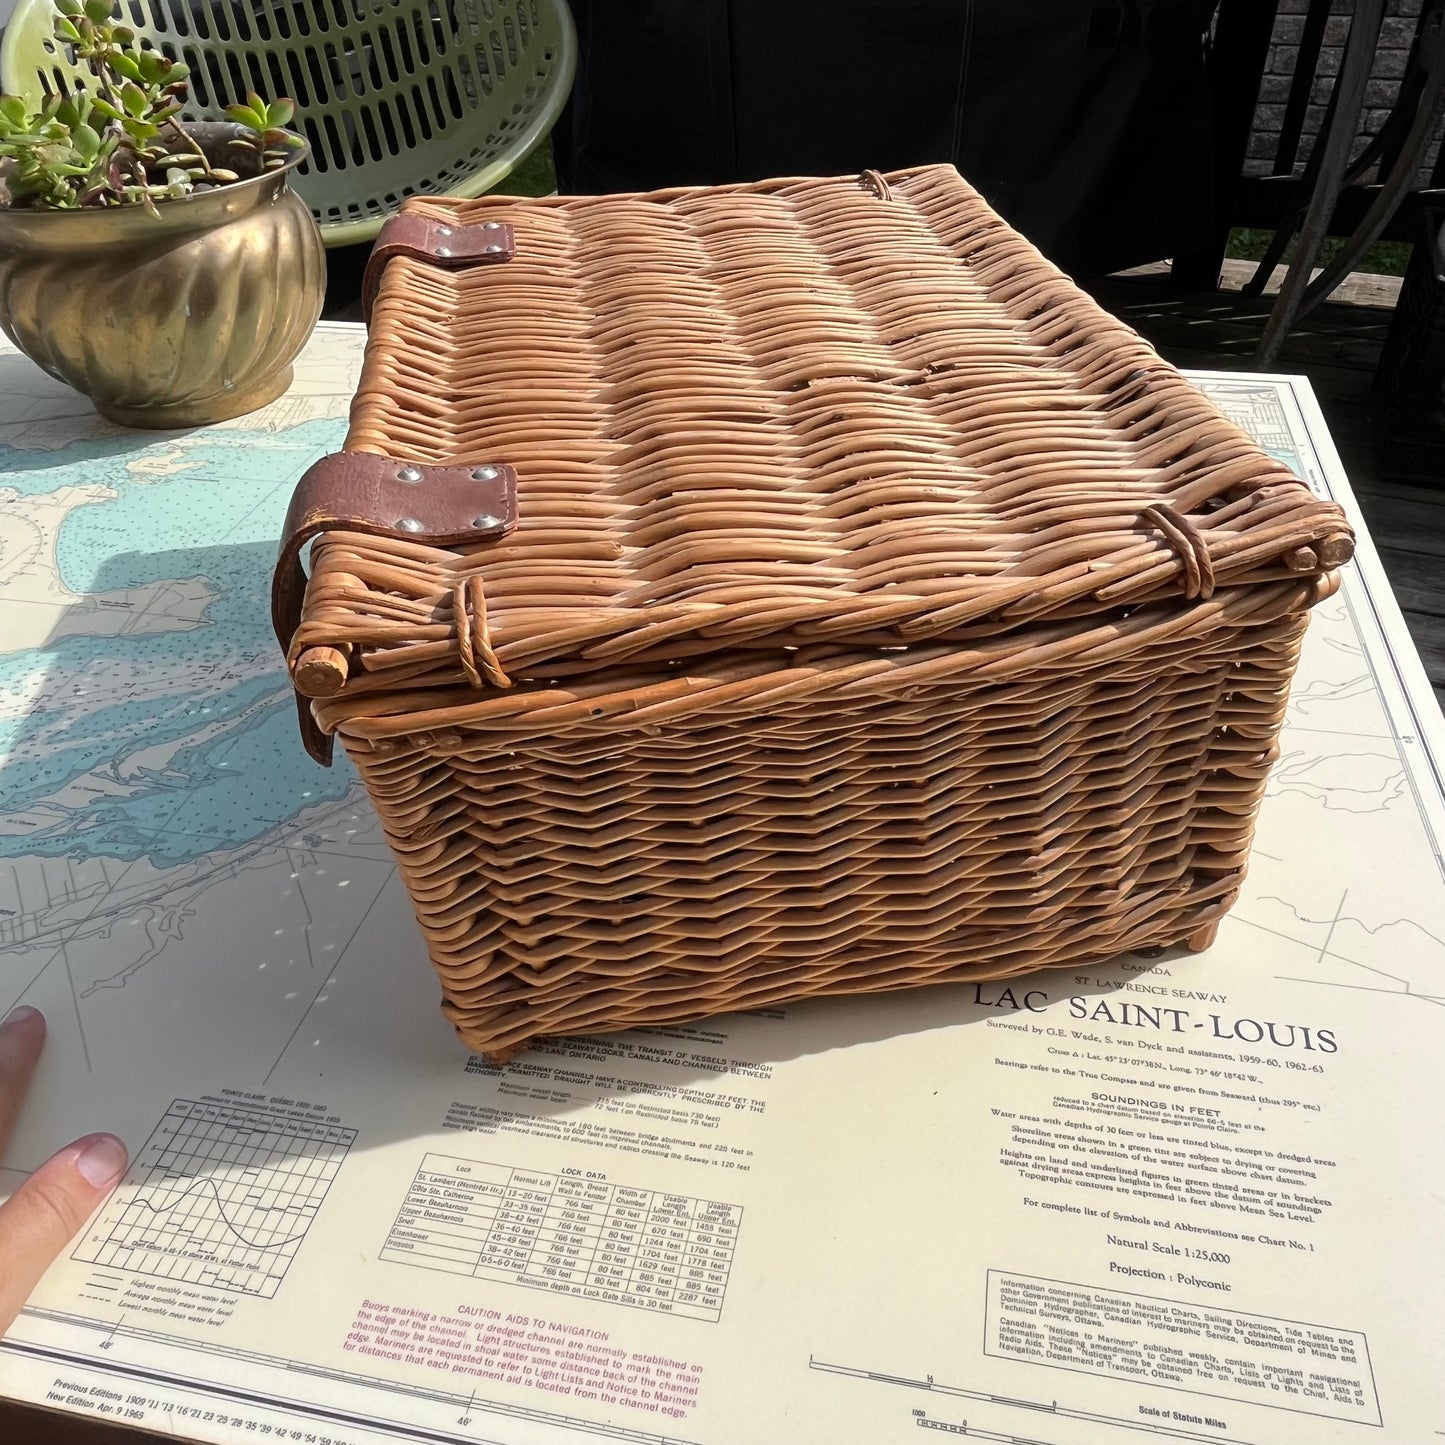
(1085, 122)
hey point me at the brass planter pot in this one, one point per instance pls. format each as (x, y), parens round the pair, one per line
(171, 321)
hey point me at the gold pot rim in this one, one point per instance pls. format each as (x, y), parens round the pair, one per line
(24, 229)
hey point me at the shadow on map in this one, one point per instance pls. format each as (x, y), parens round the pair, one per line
(156, 666)
(165, 735)
(50, 399)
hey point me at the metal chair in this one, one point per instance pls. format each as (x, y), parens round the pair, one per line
(397, 97)
(1398, 150)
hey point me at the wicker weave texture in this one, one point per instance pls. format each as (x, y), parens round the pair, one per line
(880, 612)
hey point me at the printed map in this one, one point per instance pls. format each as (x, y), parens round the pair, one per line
(166, 846)
(162, 836)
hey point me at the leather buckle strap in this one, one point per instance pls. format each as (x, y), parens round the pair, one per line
(382, 497)
(439, 243)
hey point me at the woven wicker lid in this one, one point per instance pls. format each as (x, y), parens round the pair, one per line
(838, 413)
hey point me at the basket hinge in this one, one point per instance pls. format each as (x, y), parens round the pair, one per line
(382, 497)
(440, 243)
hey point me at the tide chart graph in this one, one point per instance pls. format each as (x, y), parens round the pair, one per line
(220, 1196)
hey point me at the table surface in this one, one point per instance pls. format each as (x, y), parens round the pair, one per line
(174, 600)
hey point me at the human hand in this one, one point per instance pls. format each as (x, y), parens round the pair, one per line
(45, 1213)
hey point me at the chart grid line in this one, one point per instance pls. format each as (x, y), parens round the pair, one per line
(220, 1196)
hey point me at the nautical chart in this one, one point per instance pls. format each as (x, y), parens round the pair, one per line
(1353, 779)
(307, 1244)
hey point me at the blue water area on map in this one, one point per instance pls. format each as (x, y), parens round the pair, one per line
(221, 686)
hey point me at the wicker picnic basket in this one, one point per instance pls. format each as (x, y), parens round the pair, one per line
(732, 595)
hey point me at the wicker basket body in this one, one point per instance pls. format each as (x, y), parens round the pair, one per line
(736, 595)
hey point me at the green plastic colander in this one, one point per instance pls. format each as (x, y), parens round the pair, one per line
(397, 97)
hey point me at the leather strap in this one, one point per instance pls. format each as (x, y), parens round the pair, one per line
(437, 242)
(383, 497)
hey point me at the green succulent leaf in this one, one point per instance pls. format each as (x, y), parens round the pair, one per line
(65, 29)
(280, 112)
(53, 154)
(122, 64)
(86, 142)
(69, 7)
(244, 115)
(97, 11)
(14, 109)
(134, 99)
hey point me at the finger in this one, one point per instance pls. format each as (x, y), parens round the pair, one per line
(45, 1213)
(22, 1036)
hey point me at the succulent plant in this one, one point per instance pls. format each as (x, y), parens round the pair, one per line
(121, 141)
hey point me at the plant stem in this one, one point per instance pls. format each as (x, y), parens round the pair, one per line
(190, 140)
(97, 67)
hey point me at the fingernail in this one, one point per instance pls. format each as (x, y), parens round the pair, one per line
(23, 1014)
(101, 1160)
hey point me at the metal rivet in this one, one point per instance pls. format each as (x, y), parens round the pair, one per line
(444, 230)
(408, 524)
(443, 250)
(491, 225)
(493, 250)
(486, 521)
(485, 474)
(408, 474)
